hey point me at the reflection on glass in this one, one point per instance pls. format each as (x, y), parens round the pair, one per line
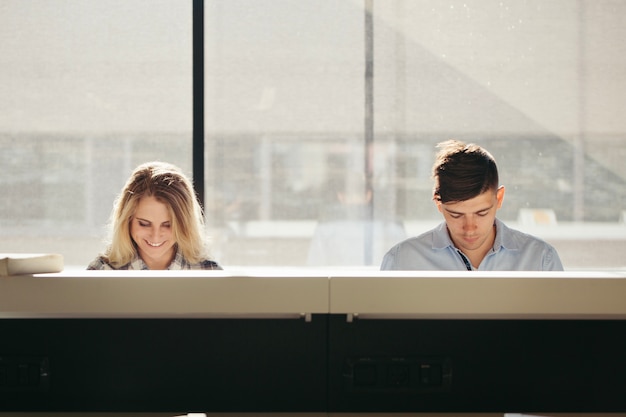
(91, 89)
(286, 99)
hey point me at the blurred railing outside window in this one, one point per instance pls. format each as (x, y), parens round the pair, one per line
(321, 120)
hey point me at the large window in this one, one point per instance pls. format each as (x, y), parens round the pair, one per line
(88, 90)
(321, 120)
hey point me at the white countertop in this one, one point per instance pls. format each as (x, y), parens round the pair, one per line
(284, 292)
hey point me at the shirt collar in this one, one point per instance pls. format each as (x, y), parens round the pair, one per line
(504, 237)
(137, 263)
(441, 237)
(178, 263)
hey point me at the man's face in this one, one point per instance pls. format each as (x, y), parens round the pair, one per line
(471, 222)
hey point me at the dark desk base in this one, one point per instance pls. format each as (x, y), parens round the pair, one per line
(327, 365)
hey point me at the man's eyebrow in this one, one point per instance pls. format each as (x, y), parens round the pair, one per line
(459, 212)
(485, 209)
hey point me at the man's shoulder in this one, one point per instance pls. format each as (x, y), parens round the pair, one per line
(536, 252)
(520, 240)
(426, 251)
(424, 241)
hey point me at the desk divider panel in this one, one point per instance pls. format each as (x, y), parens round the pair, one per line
(166, 365)
(146, 341)
(525, 366)
(313, 342)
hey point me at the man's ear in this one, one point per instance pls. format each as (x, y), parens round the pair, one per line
(437, 202)
(500, 195)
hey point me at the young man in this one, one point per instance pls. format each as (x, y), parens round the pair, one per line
(468, 195)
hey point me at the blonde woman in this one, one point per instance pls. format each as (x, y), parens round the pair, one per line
(156, 223)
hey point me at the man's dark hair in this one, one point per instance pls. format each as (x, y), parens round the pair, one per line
(463, 171)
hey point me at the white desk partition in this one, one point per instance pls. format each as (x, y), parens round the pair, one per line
(302, 292)
(164, 294)
(484, 295)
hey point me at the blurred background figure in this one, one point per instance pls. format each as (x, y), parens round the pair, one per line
(347, 234)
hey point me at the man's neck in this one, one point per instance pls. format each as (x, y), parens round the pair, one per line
(477, 255)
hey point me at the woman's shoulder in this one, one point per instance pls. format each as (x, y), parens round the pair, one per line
(102, 263)
(208, 264)
(181, 262)
(99, 263)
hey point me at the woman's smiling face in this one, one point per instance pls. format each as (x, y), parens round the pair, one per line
(151, 230)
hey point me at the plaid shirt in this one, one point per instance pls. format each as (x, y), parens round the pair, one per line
(137, 263)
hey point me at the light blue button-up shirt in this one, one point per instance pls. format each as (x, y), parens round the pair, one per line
(512, 251)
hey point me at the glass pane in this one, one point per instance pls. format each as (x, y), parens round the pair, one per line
(539, 84)
(89, 90)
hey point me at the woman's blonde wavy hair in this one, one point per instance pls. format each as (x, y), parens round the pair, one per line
(170, 186)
